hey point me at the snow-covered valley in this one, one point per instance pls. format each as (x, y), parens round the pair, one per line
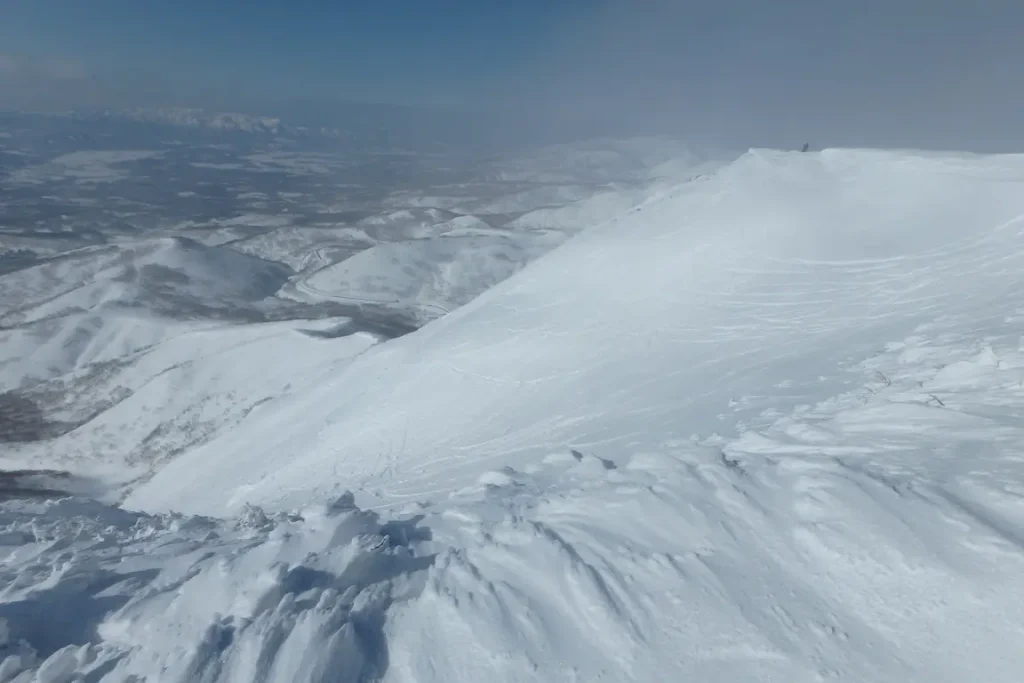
(755, 418)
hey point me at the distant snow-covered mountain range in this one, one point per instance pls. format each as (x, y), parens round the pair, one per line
(203, 119)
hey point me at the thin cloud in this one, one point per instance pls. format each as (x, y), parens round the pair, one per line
(878, 73)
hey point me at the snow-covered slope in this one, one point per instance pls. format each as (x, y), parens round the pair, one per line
(764, 427)
(54, 346)
(608, 204)
(586, 213)
(129, 414)
(776, 269)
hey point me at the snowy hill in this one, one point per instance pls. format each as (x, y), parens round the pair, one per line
(139, 270)
(438, 274)
(50, 347)
(297, 247)
(419, 223)
(764, 426)
(405, 224)
(98, 304)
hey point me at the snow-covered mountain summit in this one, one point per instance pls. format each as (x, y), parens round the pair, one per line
(198, 119)
(645, 329)
(201, 118)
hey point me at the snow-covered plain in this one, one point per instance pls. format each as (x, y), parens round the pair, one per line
(764, 426)
(83, 167)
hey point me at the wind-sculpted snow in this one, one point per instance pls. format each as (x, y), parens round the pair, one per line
(100, 594)
(877, 535)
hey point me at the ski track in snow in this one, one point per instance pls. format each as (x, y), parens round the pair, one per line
(812, 472)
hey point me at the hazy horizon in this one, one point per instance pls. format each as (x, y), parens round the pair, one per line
(909, 73)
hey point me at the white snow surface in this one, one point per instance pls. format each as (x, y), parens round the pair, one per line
(764, 427)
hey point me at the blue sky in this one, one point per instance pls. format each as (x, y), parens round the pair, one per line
(854, 71)
(396, 50)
